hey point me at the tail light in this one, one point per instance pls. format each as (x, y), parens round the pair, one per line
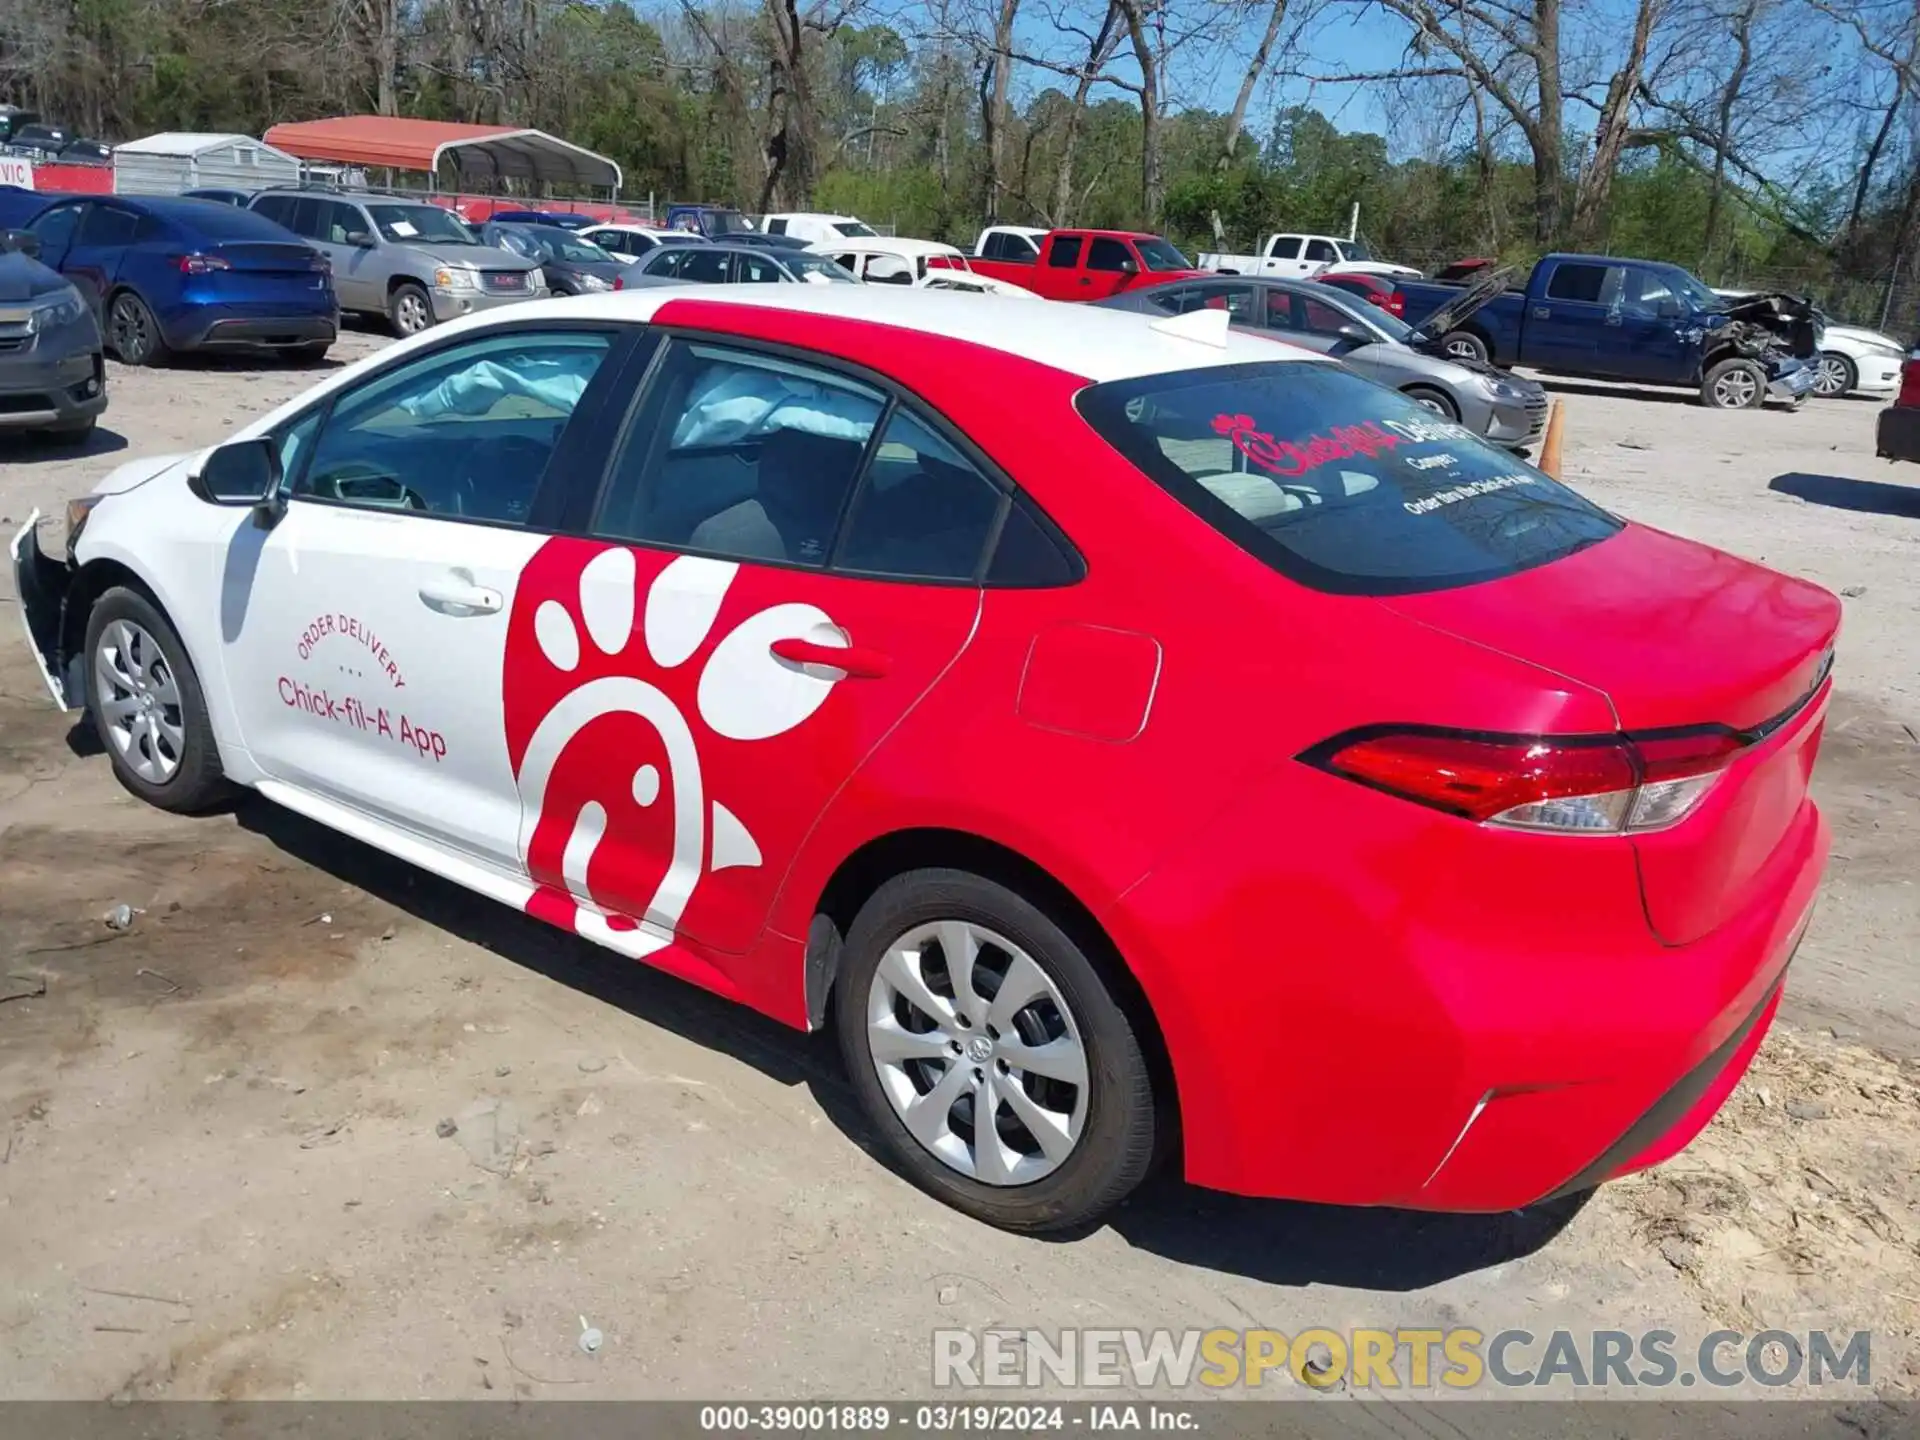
(1909, 397)
(1397, 305)
(203, 264)
(1569, 784)
(619, 282)
(1374, 297)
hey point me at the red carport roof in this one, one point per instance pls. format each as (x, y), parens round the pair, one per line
(477, 152)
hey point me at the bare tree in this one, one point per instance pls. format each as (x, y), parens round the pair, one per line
(1615, 126)
(1256, 67)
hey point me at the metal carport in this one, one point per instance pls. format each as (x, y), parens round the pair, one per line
(475, 153)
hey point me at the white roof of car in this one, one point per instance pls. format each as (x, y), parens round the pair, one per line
(1097, 344)
(886, 245)
(633, 227)
(812, 215)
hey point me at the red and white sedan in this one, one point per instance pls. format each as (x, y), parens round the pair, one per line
(1132, 738)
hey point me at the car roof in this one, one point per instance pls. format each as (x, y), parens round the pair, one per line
(1099, 345)
(886, 245)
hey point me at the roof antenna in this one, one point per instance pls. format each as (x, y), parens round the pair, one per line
(1204, 327)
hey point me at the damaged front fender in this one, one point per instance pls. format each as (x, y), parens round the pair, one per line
(42, 584)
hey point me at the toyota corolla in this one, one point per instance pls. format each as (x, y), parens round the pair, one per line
(1134, 741)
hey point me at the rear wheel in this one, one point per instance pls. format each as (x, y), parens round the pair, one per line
(1432, 399)
(1736, 384)
(1464, 345)
(311, 354)
(409, 310)
(1835, 376)
(147, 705)
(132, 332)
(990, 1055)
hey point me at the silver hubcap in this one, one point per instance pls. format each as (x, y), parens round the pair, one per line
(1428, 402)
(978, 1053)
(413, 314)
(1735, 389)
(1461, 350)
(1831, 378)
(139, 701)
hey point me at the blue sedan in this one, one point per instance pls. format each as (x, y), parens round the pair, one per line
(168, 274)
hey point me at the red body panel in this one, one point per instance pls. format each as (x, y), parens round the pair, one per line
(1363, 1000)
(1076, 281)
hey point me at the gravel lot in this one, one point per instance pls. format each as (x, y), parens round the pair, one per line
(221, 1173)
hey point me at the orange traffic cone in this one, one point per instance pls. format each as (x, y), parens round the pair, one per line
(1550, 442)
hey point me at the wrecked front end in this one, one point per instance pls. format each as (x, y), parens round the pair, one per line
(1780, 332)
(42, 583)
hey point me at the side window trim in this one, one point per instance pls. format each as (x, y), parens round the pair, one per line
(546, 514)
(646, 368)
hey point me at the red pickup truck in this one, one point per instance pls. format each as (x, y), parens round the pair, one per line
(1092, 264)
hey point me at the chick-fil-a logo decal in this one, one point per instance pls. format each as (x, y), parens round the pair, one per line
(1297, 457)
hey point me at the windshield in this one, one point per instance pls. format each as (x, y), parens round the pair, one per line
(1339, 483)
(725, 222)
(853, 229)
(1157, 254)
(555, 243)
(817, 270)
(1354, 250)
(1361, 312)
(420, 225)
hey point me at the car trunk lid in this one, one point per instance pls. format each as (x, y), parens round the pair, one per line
(1677, 636)
(268, 257)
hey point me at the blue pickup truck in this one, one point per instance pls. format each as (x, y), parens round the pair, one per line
(1604, 318)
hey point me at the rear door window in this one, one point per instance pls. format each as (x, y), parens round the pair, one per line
(1585, 283)
(108, 225)
(1339, 483)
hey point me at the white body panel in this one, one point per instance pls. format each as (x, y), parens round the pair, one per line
(1292, 255)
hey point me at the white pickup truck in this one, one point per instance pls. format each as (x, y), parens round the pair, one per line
(1300, 257)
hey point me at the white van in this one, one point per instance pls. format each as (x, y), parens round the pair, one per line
(816, 229)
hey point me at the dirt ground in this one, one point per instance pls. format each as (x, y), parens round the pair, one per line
(221, 1173)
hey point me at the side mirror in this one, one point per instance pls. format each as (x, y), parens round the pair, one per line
(360, 239)
(1358, 334)
(1129, 266)
(1669, 307)
(21, 242)
(241, 472)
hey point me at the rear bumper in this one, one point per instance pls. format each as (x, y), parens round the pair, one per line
(1441, 1044)
(40, 393)
(250, 327)
(1897, 435)
(42, 585)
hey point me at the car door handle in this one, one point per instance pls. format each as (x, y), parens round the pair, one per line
(457, 595)
(1541, 312)
(849, 660)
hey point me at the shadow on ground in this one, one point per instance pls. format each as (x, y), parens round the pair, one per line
(1279, 1242)
(39, 448)
(1841, 492)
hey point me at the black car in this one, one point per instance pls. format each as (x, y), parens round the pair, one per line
(42, 142)
(52, 378)
(573, 266)
(764, 241)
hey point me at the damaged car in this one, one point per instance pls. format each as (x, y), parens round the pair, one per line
(1602, 317)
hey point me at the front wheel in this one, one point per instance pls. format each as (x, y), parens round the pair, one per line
(990, 1055)
(409, 310)
(147, 705)
(1835, 375)
(1438, 401)
(1464, 345)
(1736, 384)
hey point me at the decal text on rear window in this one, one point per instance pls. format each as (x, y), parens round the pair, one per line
(1288, 457)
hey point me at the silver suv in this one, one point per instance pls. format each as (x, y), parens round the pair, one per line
(416, 264)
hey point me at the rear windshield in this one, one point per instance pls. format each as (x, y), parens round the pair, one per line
(1340, 483)
(217, 220)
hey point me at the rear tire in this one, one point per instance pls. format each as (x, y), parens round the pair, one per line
(1072, 1097)
(310, 354)
(1435, 400)
(1464, 345)
(1736, 384)
(133, 334)
(409, 310)
(147, 705)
